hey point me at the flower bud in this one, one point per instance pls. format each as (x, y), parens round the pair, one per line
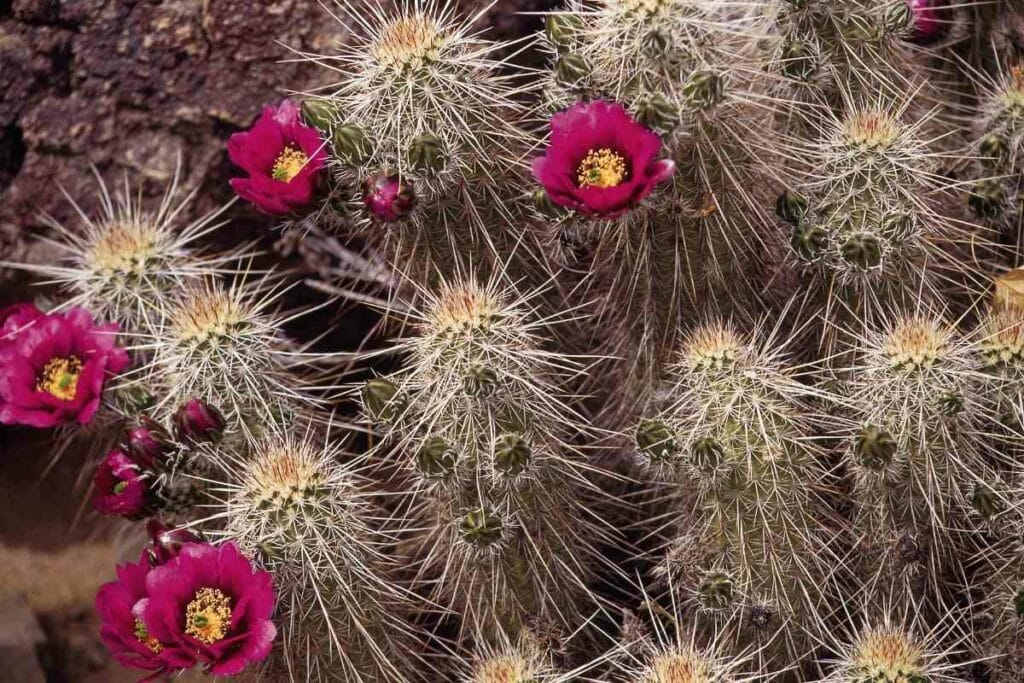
(571, 68)
(899, 17)
(435, 458)
(655, 440)
(512, 453)
(874, 448)
(986, 198)
(798, 59)
(1018, 603)
(560, 29)
(809, 241)
(951, 403)
(715, 591)
(655, 44)
(197, 422)
(993, 147)
(791, 207)
(389, 197)
(658, 113)
(707, 454)
(986, 502)
(165, 542)
(543, 204)
(379, 400)
(929, 19)
(351, 144)
(704, 89)
(426, 153)
(481, 528)
(148, 443)
(480, 381)
(318, 113)
(862, 250)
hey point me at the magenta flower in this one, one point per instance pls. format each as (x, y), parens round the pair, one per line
(209, 603)
(53, 366)
(120, 487)
(600, 161)
(17, 317)
(148, 443)
(283, 157)
(122, 631)
(929, 20)
(196, 421)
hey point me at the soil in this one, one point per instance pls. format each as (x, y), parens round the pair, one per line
(124, 89)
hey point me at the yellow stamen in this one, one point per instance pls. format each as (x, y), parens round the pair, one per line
(208, 616)
(60, 377)
(288, 165)
(601, 168)
(142, 635)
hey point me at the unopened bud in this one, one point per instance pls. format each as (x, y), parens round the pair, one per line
(197, 422)
(791, 207)
(148, 443)
(512, 453)
(658, 113)
(809, 241)
(715, 591)
(655, 440)
(435, 458)
(318, 113)
(380, 400)
(389, 197)
(351, 144)
(481, 528)
(704, 89)
(862, 250)
(426, 153)
(561, 29)
(875, 448)
(571, 68)
(480, 381)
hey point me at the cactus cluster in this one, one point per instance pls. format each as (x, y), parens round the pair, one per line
(673, 341)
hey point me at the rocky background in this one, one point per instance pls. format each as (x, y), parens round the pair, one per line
(125, 87)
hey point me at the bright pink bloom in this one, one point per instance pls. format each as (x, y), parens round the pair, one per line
(600, 161)
(209, 603)
(53, 366)
(124, 634)
(930, 19)
(120, 487)
(283, 157)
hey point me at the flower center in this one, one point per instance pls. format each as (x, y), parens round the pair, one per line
(60, 377)
(601, 168)
(142, 635)
(208, 616)
(120, 487)
(288, 164)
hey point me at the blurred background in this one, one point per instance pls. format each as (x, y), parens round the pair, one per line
(127, 87)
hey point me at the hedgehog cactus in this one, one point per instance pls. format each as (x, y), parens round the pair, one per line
(870, 227)
(735, 433)
(308, 518)
(480, 422)
(423, 129)
(920, 449)
(687, 71)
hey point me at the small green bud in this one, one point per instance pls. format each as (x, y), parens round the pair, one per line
(426, 153)
(318, 113)
(379, 400)
(993, 147)
(899, 17)
(798, 59)
(791, 207)
(809, 241)
(655, 440)
(480, 381)
(951, 404)
(481, 528)
(571, 68)
(512, 453)
(435, 458)
(707, 453)
(875, 448)
(561, 29)
(135, 398)
(655, 44)
(704, 89)
(715, 591)
(657, 113)
(543, 204)
(986, 502)
(862, 250)
(986, 198)
(898, 226)
(351, 144)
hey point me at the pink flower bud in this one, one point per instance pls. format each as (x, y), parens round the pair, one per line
(166, 542)
(198, 422)
(148, 443)
(389, 197)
